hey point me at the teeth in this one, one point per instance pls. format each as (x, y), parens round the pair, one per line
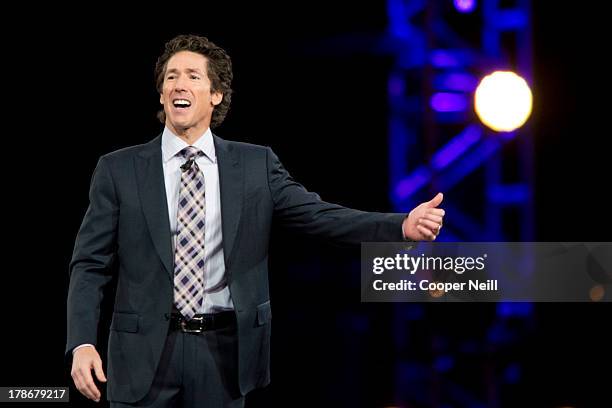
(182, 102)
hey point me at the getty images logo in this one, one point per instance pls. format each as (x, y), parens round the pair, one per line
(412, 264)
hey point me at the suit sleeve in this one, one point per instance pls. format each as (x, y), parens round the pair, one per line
(305, 212)
(94, 252)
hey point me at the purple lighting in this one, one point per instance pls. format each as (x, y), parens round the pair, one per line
(444, 59)
(456, 147)
(450, 58)
(456, 81)
(465, 6)
(414, 182)
(448, 102)
(396, 86)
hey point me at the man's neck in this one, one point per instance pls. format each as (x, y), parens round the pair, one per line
(189, 135)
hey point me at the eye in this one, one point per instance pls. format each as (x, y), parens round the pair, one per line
(193, 76)
(171, 76)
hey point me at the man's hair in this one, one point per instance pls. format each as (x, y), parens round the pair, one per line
(219, 69)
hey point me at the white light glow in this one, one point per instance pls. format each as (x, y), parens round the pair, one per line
(503, 101)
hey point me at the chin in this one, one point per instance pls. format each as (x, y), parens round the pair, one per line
(180, 125)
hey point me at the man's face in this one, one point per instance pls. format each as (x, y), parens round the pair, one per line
(186, 93)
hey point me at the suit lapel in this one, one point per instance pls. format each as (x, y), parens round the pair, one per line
(152, 190)
(231, 184)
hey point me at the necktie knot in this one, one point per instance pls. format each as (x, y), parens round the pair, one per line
(190, 152)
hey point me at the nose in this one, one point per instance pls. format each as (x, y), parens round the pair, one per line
(179, 84)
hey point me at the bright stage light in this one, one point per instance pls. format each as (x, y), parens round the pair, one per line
(503, 101)
(465, 6)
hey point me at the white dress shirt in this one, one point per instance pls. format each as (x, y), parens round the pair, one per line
(216, 292)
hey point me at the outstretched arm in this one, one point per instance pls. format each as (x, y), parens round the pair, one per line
(304, 211)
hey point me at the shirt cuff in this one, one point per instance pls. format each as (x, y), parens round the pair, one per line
(402, 227)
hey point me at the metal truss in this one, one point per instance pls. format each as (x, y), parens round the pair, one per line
(435, 139)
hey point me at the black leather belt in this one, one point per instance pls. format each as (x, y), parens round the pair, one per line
(202, 322)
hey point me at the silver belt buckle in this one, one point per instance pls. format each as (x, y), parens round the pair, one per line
(186, 329)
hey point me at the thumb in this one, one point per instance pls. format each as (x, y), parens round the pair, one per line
(98, 370)
(436, 201)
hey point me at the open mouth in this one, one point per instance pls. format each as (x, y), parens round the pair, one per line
(181, 103)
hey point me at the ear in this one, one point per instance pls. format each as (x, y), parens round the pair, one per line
(161, 98)
(217, 97)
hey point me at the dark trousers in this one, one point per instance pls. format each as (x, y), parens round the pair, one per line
(196, 370)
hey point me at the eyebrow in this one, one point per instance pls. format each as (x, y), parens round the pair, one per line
(189, 70)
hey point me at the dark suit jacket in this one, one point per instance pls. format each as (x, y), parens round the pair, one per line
(127, 225)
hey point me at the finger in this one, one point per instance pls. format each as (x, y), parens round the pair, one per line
(436, 211)
(426, 232)
(79, 382)
(436, 201)
(433, 226)
(432, 217)
(89, 386)
(98, 370)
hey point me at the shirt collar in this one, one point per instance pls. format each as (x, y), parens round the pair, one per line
(172, 144)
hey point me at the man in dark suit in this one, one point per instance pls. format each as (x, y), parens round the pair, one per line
(184, 222)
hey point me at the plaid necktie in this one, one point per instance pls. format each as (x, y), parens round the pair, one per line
(189, 254)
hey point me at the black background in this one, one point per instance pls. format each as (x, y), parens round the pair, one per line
(79, 83)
